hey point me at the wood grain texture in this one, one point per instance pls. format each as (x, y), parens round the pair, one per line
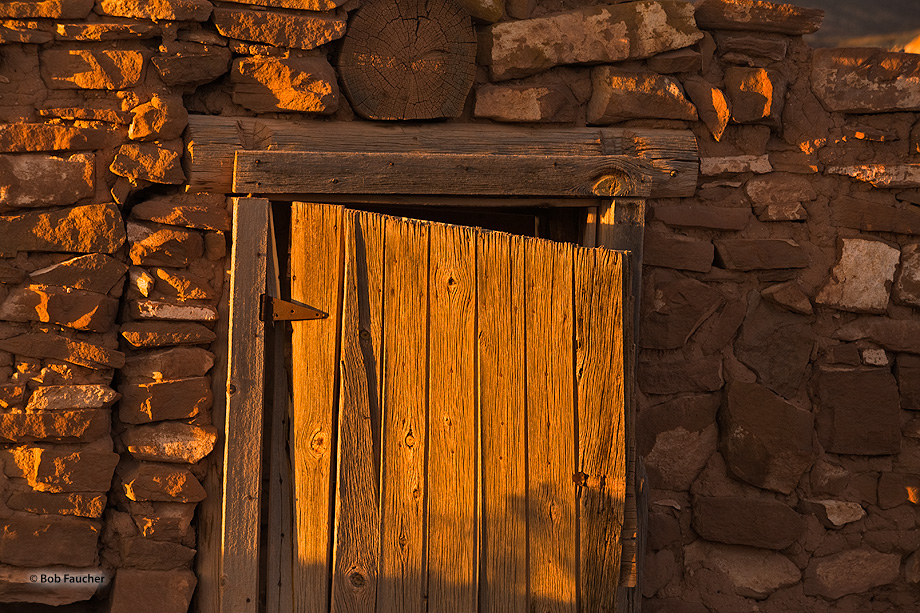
(403, 476)
(269, 172)
(357, 515)
(453, 514)
(239, 580)
(316, 280)
(600, 347)
(502, 406)
(409, 59)
(212, 142)
(551, 427)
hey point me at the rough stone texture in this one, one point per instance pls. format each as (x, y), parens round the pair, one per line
(678, 252)
(73, 308)
(863, 215)
(517, 103)
(866, 80)
(66, 503)
(789, 296)
(779, 188)
(756, 522)
(163, 520)
(696, 374)
(702, 216)
(734, 164)
(754, 48)
(858, 410)
(164, 334)
(35, 137)
(907, 284)
(160, 482)
(152, 591)
(895, 489)
(182, 285)
(192, 63)
(757, 16)
(169, 311)
(22, 183)
(47, 469)
(881, 175)
(162, 245)
(92, 69)
(590, 35)
(270, 84)
(673, 308)
(107, 31)
(166, 211)
(163, 118)
(892, 334)
(833, 513)
(173, 10)
(56, 9)
(620, 94)
(765, 441)
(36, 540)
(760, 253)
(16, 586)
(754, 573)
(175, 363)
(72, 397)
(676, 439)
(140, 552)
(711, 104)
(678, 60)
(851, 572)
(776, 345)
(61, 426)
(279, 28)
(862, 276)
(170, 442)
(94, 272)
(176, 399)
(158, 162)
(58, 347)
(756, 94)
(907, 370)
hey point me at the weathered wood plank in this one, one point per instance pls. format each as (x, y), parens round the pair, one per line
(453, 540)
(357, 516)
(403, 479)
(270, 172)
(599, 322)
(316, 280)
(239, 579)
(213, 140)
(550, 427)
(502, 397)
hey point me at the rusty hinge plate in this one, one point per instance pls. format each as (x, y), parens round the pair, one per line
(275, 309)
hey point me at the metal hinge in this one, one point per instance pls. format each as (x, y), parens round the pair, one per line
(275, 309)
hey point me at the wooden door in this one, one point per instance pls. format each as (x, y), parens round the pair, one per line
(458, 429)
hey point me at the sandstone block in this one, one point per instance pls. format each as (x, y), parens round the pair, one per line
(168, 311)
(30, 32)
(907, 370)
(169, 364)
(866, 80)
(735, 164)
(16, 586)
(602, 34)
(60, 426)
(762, 46)
(47, 469)
(35, 137)
(140, 552)
(757, 16)
(679, 252)
(852, 213)
(152, 591)
(756, 94)
(895, 489)
(907, 284)
(67, 503)
(92, 69)
(166, 211)
(789, 296)
(853, 571)
(754, 573)
(698, 374)
(271, 84)
(160, 482)
(619, 95)
(833, 513)
(170, 441)
(779, 188)
(61, 348)
(757, 522)
(154, 162)
(12, 395)
(72, 397)
(73, 308)
(177, 399)
(702, 216)
(95, 228)
(858, 410)
(94, 272)
(760, 253)
(765, 441)
(517, 103)
(193, 63)
(163, 118)
(23, 184)
(164, 334)
(182, 285)
(792, 211)
(862, 276)
(37, 540)
(163, 520)
(140, 279)
(280, 28)
(674, 308)
(892, 334)
(678, 60)
(104, 31)
(161, 245)
(172, 10)
(55, 9)
(303, 5)
(676, 438)
(711, 104)
(885, 176)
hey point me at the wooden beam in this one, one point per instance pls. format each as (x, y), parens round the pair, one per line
(239, 578)
(212, 141)
(268, 172)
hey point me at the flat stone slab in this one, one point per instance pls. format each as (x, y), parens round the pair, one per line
(619, 95)
(757, 16)
(851, 572)
(22, 177)
(866, 80)
(280, 28)
(862, 276)
(270, 84)
(94, 228)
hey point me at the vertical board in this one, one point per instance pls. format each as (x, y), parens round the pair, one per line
(357, 519)
(453, 540)
(601, 398)
(502, 398)
(550, 427)
(403, 484)
(316, 280)
(239, 582)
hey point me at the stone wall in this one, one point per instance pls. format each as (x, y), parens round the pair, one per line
(780, 337)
